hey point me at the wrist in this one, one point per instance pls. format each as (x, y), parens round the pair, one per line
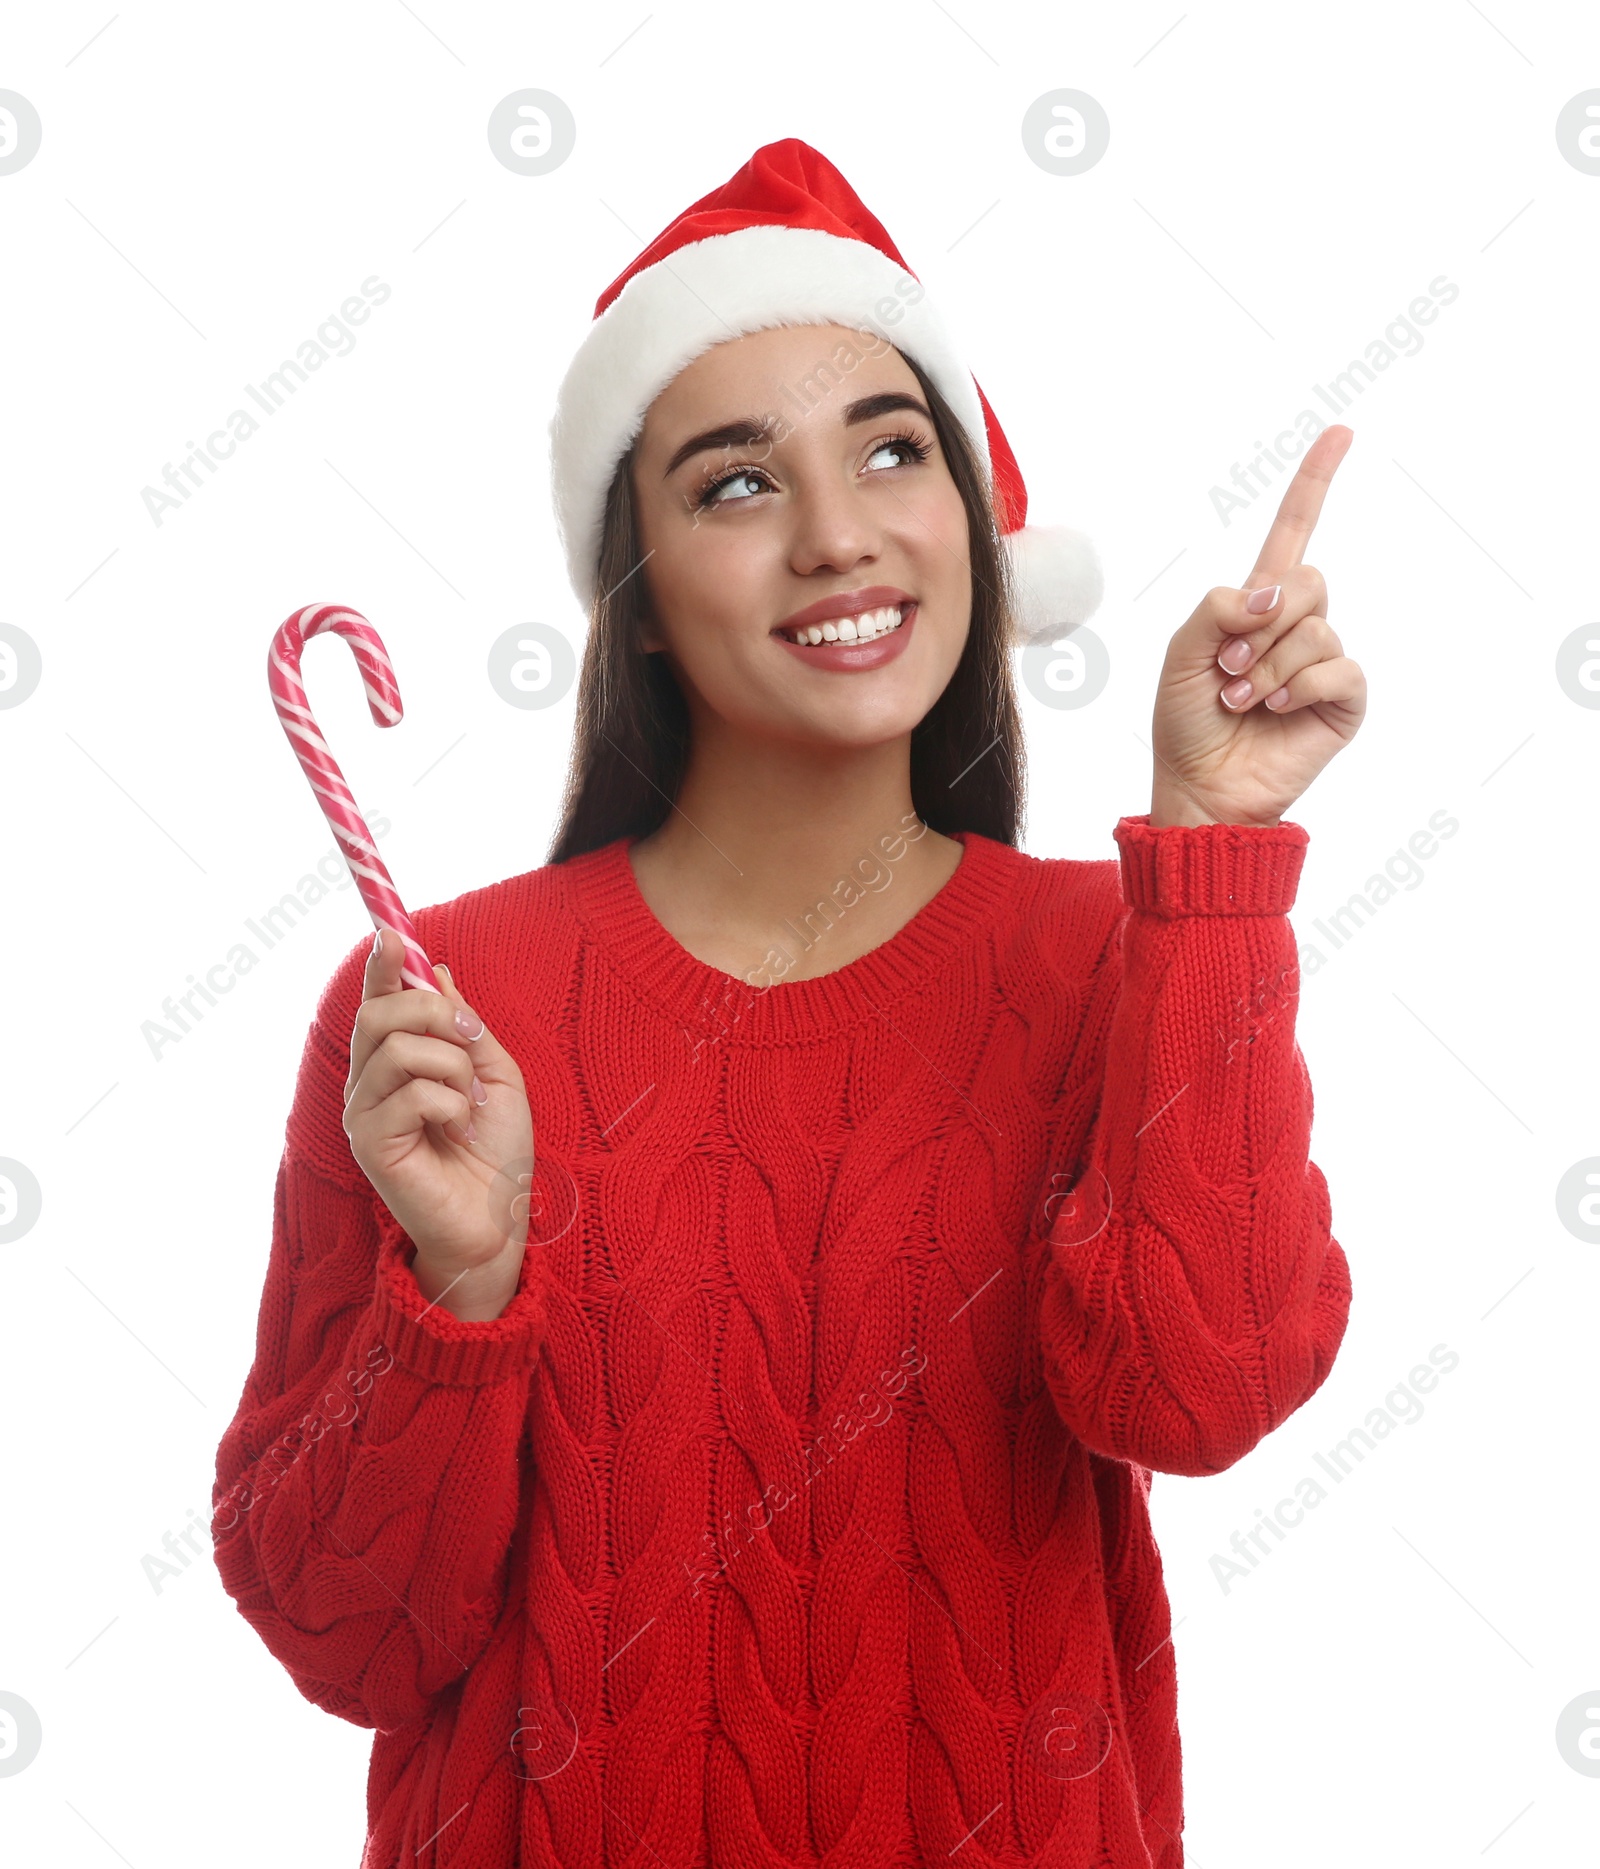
(1180, 809)
(477, 1294)
(1162, 815)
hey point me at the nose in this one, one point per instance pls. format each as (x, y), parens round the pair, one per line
(833, 528)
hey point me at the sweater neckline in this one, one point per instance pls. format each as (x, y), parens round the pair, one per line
(717, 1007)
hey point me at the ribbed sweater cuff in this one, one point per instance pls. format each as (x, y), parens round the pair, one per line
(440, 1347)
(1210, 869)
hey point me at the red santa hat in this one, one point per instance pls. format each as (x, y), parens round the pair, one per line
(785, 241)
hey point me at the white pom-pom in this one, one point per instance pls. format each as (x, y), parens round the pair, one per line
(1058, 581)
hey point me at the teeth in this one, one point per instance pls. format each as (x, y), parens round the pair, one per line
(863, 628)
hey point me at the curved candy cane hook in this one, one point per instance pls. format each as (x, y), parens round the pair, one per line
(322, 769)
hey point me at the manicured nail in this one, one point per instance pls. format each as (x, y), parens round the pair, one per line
(1258, 603)
(1277, 699)
(466, 1021)
(1235, 655)
(480, 1096)
(1236, 693)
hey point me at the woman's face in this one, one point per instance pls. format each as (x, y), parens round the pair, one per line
(797, 471)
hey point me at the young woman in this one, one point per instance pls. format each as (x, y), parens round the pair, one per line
(713, 1359)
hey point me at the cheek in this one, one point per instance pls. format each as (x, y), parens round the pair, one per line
(937, 504)
(692, 561)
(704, 587)
(677, 567)
(936, 535)
(706, 595)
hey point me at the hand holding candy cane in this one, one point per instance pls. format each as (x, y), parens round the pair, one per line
(433, 1102)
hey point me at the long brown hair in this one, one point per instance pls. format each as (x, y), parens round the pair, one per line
(630, 746)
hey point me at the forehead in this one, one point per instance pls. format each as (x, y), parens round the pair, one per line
(792, 368)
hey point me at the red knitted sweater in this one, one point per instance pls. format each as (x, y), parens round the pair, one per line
(795, 1510)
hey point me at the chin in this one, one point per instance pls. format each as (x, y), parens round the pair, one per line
(871, 720)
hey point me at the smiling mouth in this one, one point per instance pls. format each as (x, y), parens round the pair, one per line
(867, 627)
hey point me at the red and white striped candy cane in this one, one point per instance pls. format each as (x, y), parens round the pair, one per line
(322, 769)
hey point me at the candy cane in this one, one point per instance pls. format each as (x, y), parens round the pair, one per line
(322, 769)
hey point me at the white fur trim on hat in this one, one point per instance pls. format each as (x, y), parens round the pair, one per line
(1058, 580)
(704, 294)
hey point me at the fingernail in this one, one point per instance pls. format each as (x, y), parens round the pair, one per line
(1236, 693)
(471, 1130)
(466, 1021)
(1276, 699)
(1235, 655)
(1258, 603)
(480, 1096)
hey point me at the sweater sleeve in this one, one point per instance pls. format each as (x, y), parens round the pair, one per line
(367, 1489)
(1193, 1296)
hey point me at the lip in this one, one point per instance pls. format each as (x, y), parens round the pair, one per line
(846, 604)
(850, 657)
(854, 656)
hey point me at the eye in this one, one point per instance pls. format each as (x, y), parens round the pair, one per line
(747, 477)
(908, 447)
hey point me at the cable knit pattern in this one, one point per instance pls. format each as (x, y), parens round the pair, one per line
(795, 1510)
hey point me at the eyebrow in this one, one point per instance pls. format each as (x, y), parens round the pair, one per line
(746, 430)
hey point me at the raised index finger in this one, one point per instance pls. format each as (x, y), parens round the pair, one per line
(1301, 504)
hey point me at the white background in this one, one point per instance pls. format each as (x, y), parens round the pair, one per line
(1280, 184)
